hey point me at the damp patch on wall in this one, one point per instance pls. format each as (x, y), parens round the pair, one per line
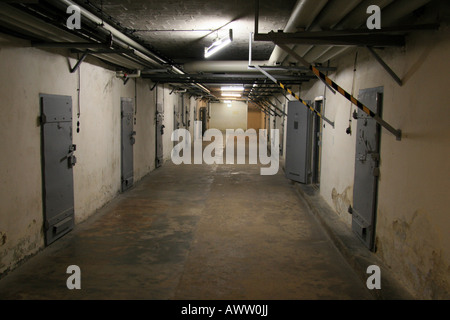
(421, 263)
(341, 203)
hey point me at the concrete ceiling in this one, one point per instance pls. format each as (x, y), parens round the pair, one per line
(166, 38)
(181, 30)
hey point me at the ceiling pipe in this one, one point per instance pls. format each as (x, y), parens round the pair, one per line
(140, 50)
(391, 12)
(148, 55)
(336, 15)
(302, 17)
(122, 74)
(24, 22)
(326, 20)
(220, 66)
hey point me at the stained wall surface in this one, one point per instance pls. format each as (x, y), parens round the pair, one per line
(97, 176)
(412, 217)
(224, 117)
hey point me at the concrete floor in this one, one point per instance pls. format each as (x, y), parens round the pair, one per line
(193, 232)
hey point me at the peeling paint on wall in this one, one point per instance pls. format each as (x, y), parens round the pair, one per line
(12, 254)
(2, 238)
(97, 173)
(3, 251)
(342, 201)
(412, 218)
(421, 261)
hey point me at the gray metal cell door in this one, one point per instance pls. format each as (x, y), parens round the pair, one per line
(316, 144)
(366, 167)
(176, 123)
(203, 119)
(127, 142)
(297, 142)
(58, 160)
(159, 134)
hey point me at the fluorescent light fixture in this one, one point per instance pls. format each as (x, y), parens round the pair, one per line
(233, 88)
(219, 44)
(227, 101)
(236, 95)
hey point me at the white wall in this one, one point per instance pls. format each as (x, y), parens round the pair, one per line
(145, 127)
(412, 218)
(223, 117)
(97, 178)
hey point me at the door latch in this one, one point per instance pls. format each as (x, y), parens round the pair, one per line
(72, 160)
(132, 139)
(162, 129)
(375, 156)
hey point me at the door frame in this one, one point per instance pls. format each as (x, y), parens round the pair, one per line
(316, 142)
(368, 232)
(59, 217)
(127, 182)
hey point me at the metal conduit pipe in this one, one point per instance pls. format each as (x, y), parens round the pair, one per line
(220, 66)
(121, 74)
(302, 16)
(23, 21)
(391, 12)
(355, 19)
(327, 19)
(140, 50)
(349, 14)
(116, 33)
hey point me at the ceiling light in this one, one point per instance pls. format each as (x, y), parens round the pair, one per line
(219, 44)
(226, 94)
(233, 88)
(227, 101)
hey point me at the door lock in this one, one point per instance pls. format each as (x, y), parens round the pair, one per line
(71, 159)
(375, 156)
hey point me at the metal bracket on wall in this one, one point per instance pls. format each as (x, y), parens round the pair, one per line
(275, 106)
(154, 86)
(396, 132)
(100, 51)
(261, 108)
(385, 66)
(266, 103)
(77, 65)
(266, 108)
(294, 95)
